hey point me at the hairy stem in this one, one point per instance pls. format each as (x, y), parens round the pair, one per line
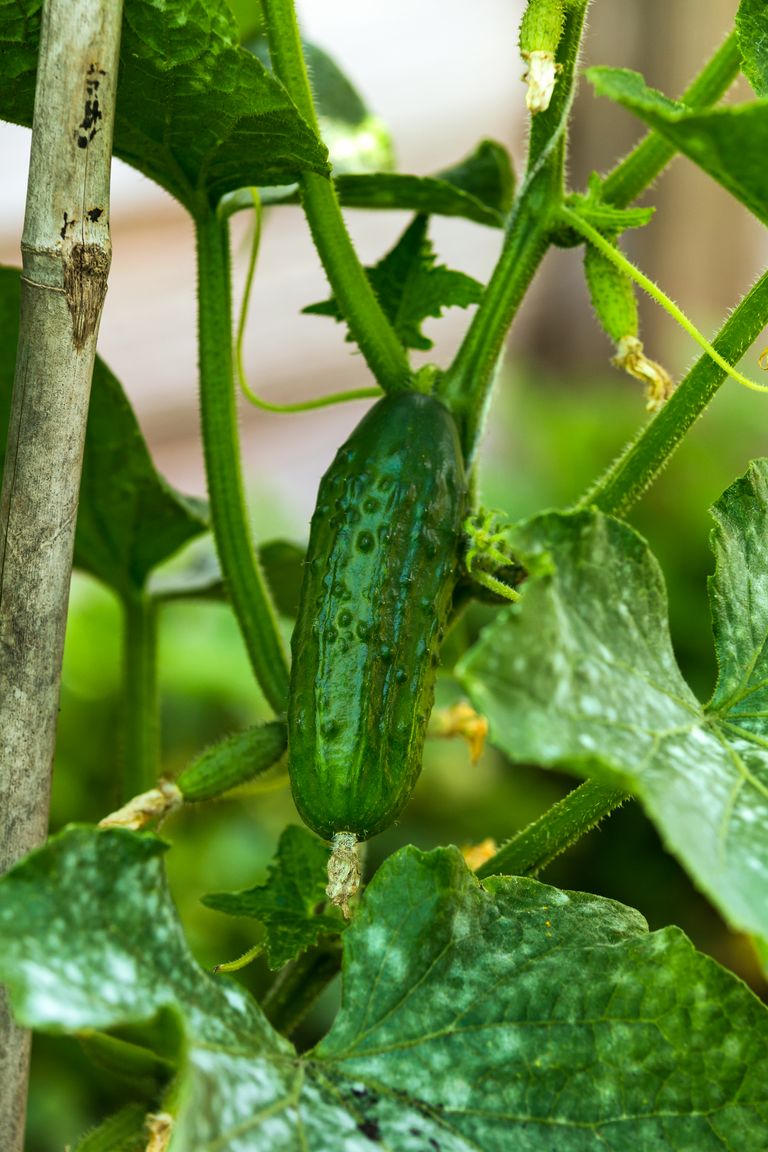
(642, 165)
(632, 473)
(141, 720)
(245, 581)
(619, 260)
(644, 457)
(467, 385)
(527, 853)
(367, 322)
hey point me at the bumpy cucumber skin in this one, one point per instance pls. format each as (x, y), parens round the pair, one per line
(381, 568)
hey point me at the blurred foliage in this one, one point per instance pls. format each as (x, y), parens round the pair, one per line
(544, 444)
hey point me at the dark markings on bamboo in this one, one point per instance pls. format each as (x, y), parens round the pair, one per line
(86, 268)
(92, 114)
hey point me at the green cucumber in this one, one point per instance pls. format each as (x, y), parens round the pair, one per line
(380, 572)
(233, 761)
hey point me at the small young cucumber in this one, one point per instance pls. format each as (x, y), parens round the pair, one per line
(381, 568)
(233, 761)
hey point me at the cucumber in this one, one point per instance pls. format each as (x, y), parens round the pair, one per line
(233, 761)
(381, 568)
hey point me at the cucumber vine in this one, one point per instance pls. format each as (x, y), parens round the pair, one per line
(480, 1007)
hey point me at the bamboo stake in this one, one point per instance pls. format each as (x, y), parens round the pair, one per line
(65, 255)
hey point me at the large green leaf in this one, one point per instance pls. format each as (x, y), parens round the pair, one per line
(195, 111)
(728, 143)
(581, 675)
(129, 518)
(738, 594)
(99, 946)
(752, 31)
(292, 905)
(509, 1015)
(521, 1016)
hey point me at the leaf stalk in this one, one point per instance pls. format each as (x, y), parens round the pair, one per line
(140, 701)
(367, 322)
(536, 846)
(242, 572)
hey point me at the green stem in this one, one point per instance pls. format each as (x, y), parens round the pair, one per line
(141, 718)
(619, 260)
(367, 322)
(562, 825)
(644, 457)
(242, 573)
(467, 384)
(298, 985)
(643, 164)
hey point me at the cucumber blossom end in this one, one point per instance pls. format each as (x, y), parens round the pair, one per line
(540, 32)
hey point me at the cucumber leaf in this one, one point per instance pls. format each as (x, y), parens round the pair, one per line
(473, 1016)
(478, 188)
(195, 112)
(411, 286)
(282, 562)
(606, 217)
(752, 32)
(357, 140)
(129, 518)
(292, 905)
(486, 173)
(590, 685)
(728, 143)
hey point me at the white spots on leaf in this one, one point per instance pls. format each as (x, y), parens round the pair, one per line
(458, 1091)
(44, 1002)
(590, 705)
(121, 968)
(232, 994)
(396, 964)
(375, 938)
